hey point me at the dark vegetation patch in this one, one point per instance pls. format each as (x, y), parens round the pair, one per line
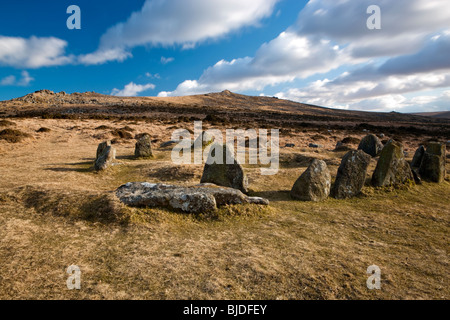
(104, 208)
(122, 134)
(6, 123)
(13, 136)
(350, 140)
(318, 137)
(103, 127)
(172, 173)
(127, 128)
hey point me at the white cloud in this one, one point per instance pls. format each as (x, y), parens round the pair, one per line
(378, 95)
(26, 79)
(374, 86)
(285, 58)
(8, 81)
(33, 52)
(409, 54)
(178, 22)
(12, 80)
(405, 24)
(152, 76)
(165, 60)
(104, 55)
(132, 89)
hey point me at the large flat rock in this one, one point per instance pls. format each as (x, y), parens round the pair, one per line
(193, 199)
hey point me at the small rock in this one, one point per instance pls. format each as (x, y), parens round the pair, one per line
(289, 145)
(313, 145)
(314, 184)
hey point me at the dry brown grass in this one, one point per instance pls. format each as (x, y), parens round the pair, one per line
(56, 211)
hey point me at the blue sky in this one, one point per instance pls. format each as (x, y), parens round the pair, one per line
(319, 52)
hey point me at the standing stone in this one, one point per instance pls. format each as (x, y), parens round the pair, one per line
(101, 147)
(371, 145)
(219, 172)
(416, 163)
(351, 175)
(314, 184)
(418, 157)
(144, 147)
(432, 167)
(392, 168)
(106, 154)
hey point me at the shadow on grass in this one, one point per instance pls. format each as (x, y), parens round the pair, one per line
(129, 157)
(275, 195)
(87, 166)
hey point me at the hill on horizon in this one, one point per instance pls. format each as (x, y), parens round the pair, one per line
(220, 107)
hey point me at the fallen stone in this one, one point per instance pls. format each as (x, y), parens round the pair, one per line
(371, 145)
(314, 145)
(219, 172)
(392, 168)
(351, 175)
(314, 184)
(196, 199)
(289, 145)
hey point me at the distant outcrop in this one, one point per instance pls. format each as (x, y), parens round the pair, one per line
(49, 97)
